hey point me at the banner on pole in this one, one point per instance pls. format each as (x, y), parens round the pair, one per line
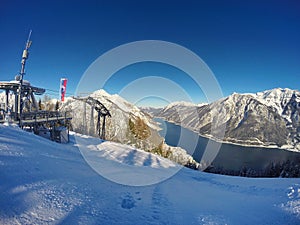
(63, 88)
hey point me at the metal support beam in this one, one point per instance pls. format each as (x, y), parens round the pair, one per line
(6, 101)
(102, 112)
(103, 129)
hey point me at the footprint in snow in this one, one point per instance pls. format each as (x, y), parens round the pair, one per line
(128, 202)
(293, 192)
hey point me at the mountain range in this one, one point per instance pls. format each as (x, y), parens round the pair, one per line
(268, 118)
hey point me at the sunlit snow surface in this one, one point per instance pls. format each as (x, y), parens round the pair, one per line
(42, 182)
(123, 164)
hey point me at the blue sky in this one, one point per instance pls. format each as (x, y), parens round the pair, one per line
(250, 46)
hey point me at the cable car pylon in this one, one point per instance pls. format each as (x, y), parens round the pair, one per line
(102, 112)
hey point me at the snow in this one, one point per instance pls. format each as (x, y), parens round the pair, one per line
(125, 165)
(116, 99)
(179, 103)
(276, 98)
(43, 182)
(53, 101)
(202, 104)
(122, 105)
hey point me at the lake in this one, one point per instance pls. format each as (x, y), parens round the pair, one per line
(230, 156)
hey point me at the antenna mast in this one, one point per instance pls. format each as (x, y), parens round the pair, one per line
(22, 73)
(25, 57)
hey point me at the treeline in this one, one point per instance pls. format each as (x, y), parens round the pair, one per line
(47, 104)
(285, 169)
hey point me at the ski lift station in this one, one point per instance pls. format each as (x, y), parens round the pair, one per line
(24, 111)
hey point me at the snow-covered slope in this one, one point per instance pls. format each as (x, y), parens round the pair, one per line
(174, 105)
(42, 182)
(117, 126)
(127, 125)
(151, 110)
(181, 111)
(266, 118)
(278, 98)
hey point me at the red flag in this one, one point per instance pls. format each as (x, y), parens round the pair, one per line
(63, 88)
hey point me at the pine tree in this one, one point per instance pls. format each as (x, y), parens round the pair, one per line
(40, 104)
(57, 106)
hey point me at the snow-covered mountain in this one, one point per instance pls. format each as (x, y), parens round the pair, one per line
(127, 125)
(285, 102)
(150, 110)
(43, 182)
(174, 106)
(265, 118)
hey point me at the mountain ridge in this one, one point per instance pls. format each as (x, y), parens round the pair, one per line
(127, 125)
(268, 118)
